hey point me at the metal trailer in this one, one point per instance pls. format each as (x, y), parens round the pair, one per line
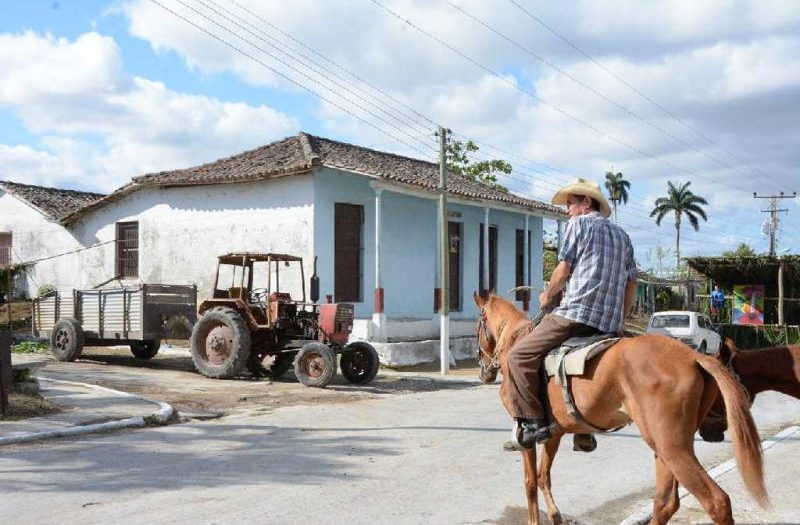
(136, 316)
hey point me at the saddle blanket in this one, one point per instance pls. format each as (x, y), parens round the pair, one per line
(575, 352)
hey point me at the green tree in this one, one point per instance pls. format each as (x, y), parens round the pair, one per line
(743, 250)
(458, 161)
(617, 188)
(680, 201)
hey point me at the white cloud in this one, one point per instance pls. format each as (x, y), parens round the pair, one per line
(102, 126)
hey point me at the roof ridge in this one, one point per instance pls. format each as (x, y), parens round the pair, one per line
(371, 150)
(12, 184)
(308, 148)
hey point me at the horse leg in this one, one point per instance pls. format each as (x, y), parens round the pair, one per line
(549, 451)
(693, 476)
(529, 462)
(665, 501)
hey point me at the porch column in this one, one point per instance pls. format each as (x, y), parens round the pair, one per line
(526, 278)
(560, 235)
(378, 316)
(780, 291)
(437, 290)
(485, 283)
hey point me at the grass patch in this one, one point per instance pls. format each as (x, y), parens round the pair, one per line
(30, 347)
(22, 406)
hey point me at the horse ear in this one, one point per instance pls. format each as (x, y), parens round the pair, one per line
(478, 299)
(731, 345)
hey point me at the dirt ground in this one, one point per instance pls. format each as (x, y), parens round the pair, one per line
(21, 406)
(170, 377)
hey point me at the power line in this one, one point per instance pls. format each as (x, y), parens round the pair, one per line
(629, 85)
(531, 94)
(284, 76)
(583, 84)
(314, 65)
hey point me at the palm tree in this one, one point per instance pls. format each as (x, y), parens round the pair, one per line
(681, 201)
(617, 190)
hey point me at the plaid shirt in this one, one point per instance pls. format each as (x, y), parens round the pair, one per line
(601, 257)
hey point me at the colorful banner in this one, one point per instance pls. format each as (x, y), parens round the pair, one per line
(748, 304)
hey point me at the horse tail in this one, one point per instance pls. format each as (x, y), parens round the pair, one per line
(746, 443)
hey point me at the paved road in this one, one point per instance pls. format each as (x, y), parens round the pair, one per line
(432, 457)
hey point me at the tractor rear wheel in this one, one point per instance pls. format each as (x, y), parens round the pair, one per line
(359, 362)
(220, 343)
(66, 340)
(145, 349)
(315, 365)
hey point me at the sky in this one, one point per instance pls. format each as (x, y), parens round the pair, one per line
(95, 92)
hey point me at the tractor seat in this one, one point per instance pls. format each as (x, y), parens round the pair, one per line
(280, 296)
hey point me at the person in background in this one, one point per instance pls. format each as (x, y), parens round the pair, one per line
(717, 303)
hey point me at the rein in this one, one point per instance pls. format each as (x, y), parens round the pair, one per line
(483, 328)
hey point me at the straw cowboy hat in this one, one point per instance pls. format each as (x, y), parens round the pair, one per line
(586, 188)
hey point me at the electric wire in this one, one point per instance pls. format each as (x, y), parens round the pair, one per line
(630, 86)
(533, 95)
(288, 78)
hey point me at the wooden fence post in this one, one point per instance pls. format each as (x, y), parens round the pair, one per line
(5, 370)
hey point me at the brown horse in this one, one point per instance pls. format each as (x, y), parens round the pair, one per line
(776, 368)
(654, 381)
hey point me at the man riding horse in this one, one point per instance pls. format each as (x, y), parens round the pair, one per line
(597, 273)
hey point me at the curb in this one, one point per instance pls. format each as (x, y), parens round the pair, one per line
(645, 513)
(158, 418)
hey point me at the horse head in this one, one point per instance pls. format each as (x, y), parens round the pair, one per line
(495, 314)
(487, 343)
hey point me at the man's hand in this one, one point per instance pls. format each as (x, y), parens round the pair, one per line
(544, 299)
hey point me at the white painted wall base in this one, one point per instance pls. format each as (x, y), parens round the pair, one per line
(409, 353)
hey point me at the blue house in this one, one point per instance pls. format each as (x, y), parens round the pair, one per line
(368, 217)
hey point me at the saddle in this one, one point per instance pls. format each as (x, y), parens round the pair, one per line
(570, 359)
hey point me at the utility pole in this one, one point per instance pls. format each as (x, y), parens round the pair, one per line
(444, 254)
(773, 211)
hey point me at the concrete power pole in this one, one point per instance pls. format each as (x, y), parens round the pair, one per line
(444, 254)
(773, 211)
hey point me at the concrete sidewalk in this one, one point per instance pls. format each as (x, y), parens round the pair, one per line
(85, 409)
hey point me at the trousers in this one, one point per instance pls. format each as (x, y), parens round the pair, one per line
(520, 389)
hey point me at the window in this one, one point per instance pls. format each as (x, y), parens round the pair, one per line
(454, 232)
(492, 259)
(128, 249)
(348, 225)
(522, 295)
(5, 248)
(670, 321)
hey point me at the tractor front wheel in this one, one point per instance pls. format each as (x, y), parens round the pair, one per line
(359, 362)
(315, 365)
(220, 343)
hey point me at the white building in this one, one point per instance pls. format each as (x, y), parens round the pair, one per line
(368, 217)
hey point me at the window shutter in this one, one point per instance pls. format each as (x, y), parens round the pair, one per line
(5, 248)
(348, 220)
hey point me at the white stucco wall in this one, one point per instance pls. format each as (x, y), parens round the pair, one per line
(183, 230)
(34, 236)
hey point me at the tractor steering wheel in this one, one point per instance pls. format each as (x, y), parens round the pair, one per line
(259, 295)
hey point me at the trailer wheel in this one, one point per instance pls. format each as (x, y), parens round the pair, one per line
(315, 365)
(359, 362)
(145, 349)
(220, 343)
(66, 340)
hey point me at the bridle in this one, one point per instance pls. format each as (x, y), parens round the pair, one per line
(483, 329)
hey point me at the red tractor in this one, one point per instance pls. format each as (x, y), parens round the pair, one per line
(266, 331)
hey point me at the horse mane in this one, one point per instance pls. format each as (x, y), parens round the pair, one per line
(508, 313)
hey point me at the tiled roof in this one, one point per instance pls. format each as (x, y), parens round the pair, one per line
(53, 202)
(303, 152)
